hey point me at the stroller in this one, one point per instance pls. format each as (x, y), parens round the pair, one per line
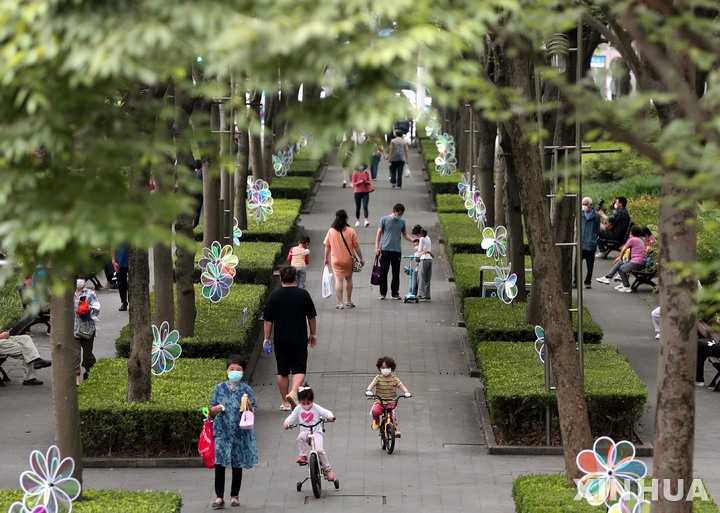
(411, 270)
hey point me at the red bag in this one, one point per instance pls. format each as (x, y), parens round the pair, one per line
(206, 444)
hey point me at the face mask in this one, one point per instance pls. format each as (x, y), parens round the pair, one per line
(306, 407)
(235, 376)
(398, 217)
(385, 372)
(586, 208)
(79, 283)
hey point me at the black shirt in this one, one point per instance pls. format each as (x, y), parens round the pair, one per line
(289, 308)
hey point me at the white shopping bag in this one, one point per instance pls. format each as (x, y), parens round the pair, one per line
(407, 173)
(327, 285)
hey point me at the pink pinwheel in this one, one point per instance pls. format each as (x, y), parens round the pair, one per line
(215, 283)
(540, 342)
(630, 503)
(505, 285)
(610, 471)
(494, 241)
(165, 349)
(17, 507)
(222, 257)
(49, 484)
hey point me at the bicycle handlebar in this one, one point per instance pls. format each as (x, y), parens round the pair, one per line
(386, 401)
(321, 421)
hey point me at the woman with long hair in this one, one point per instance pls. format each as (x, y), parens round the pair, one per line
(342, 243)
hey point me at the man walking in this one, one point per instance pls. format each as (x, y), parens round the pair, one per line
(590, 228)
(397, 155)
(290, 310)
(388, 246)
(121, 264)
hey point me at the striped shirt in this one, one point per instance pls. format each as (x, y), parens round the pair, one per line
(386, 387)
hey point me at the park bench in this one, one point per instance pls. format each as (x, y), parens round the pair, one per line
(4, 377)
(710, 334)
(644, 277)
(615, 245)
(31, 315)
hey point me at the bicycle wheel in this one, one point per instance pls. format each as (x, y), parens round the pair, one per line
(390, 435)
(315, 475)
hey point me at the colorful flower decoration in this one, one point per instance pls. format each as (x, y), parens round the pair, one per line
(49, 486)
(432, 128)
(221, 256)
(260, 200)
(17, 507)
(165, 349)
(505, 285)
(630, 503)
(215, 283)
(281, 162)
(540, 342)
(476, 207)
(494, 241)
(446, 164)
(305, 139)
(610, 471)
(237, 232)
(445, 143)
(464, 186)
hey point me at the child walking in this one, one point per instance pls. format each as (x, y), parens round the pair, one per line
(385, 386)
(299, 258)
(424, 252)
(308, 412)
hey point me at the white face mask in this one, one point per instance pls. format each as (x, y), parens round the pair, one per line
(306, 407)
(79, 283)
(386, 372)
(586, 208)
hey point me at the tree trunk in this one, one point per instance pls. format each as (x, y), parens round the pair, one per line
(256, 155)
(513, 212)
(241, 174)
(500, 175)
(64, 388)
(547, 278)
(487, 133)
(139, 376)
(163, 273)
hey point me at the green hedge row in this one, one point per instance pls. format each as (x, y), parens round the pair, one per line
(10, 303)
(466, 269)
(490, 319)
(549, 493)
(219, 329)
(257, 262)
(441, 184)
(514, 383)
(292, 187)
(450, 204)
(167, 425)
(460, 233)
(115, 501)
(304, 167)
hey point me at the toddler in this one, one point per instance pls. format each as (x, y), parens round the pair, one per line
(385, 386)
(299, 258)
(424, 253)
(307, 412)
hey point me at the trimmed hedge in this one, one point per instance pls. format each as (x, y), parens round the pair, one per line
(516, 397)
(549, 493)
(257, 261)
(115, 501)
(218, 326)
(304, 167)
(167, 425)
(10, 303)
(490, 319)
(466, 269)
(460, 233)
(292, 187)
(441, 184)
(450, 203)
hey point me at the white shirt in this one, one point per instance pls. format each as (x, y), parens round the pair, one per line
(301, 416)
(424, 244)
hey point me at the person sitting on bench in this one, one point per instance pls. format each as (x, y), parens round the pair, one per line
(615, 227)
(22, 346)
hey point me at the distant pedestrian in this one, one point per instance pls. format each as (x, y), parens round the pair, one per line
(87, 309)
(388, 246)
(342, 242)
(299, 258)
(363, 186)
(290, 310)
(378, 154)
(121, 263)
(424, 253)
(233, 446)
(397, 155)
(590, 226)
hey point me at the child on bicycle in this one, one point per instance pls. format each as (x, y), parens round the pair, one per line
(385, 386)
(308, 412)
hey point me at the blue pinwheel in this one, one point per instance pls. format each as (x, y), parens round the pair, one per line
(540, 342)
(494, 241)
(260, 200)
(221, 256)
(464, 186)
(48, 484)
(630, 503)
(505, 285)
(446, 163)
(215, 283)
(165, 349)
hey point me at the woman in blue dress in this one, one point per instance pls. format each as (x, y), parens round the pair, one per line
(233, 445)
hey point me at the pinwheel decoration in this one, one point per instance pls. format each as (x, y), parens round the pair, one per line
(540, 342)
(476, 208)
(49, 486)
(221, 256)
(281, 162)
(630, 503)
(432, 128)
(446, 164)
(445, 143)
(464, 186)
(611, 470)
(165, 349)
(237, 232)
(505, 285)
(215, 283)
(494, 240)
(260, 200)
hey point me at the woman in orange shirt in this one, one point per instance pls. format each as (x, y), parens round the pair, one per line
(342, 242)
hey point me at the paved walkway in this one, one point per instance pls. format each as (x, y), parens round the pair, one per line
(440, 463)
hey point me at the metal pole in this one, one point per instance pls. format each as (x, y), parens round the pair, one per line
(578, 149)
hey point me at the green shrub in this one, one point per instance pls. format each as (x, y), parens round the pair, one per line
(219, 330)
(609, 167)
(549, 493)
(115, 501)
(304, 167)
(491, 319)
(708, 233)
(466, 268)
(515, 391)
(428, 149)
(279, 227)
(645, 211)
(631, 187)
(441, 184)
(257, 262)
(460, 233)
(167, 425)
(450, 203)
(10, 303)
(292, 187)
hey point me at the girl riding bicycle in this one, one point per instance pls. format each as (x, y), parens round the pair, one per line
(386, 385)
(307, 412)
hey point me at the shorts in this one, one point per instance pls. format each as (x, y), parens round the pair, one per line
(291, 360)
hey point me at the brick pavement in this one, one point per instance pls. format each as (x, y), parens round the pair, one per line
(439, 465)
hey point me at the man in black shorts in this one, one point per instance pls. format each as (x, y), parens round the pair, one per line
(291, 310)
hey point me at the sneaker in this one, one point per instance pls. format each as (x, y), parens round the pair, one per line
(349, 305)
(302, 460)
(292, 399)
(329, 475)
(32, 382)
(396, 297)
(367, 223)
(624, 289)
(699, 383)
(339, 307)
(618, 287)
(344, 185)
(657, 336)
(375, 424)
(357, 223)
(123, 308)
(398, 434)
(603, 279)
(617, 278)
(588, 285)
(381, 298)
(599, 254)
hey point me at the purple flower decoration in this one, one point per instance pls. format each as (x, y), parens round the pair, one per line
(165, 349)
(17, 507)
(215, 283)
(221, 256)
(49, 483)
